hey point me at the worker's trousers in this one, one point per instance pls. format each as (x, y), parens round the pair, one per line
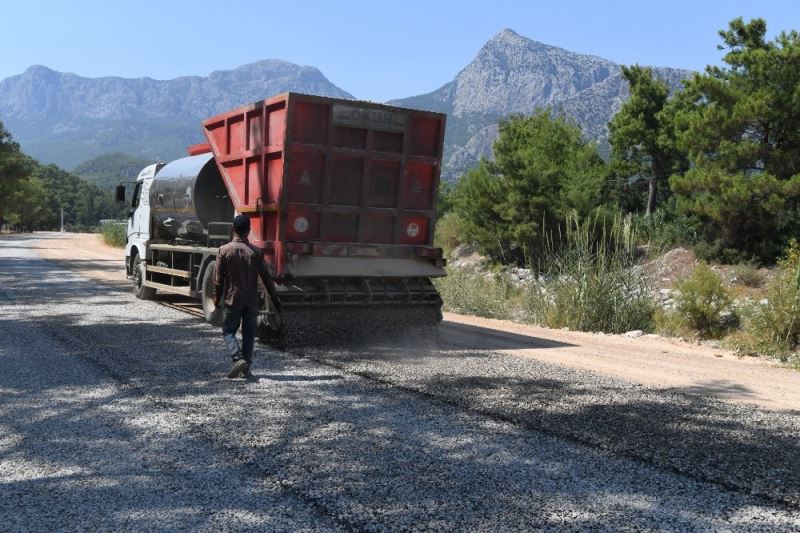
(232, 318)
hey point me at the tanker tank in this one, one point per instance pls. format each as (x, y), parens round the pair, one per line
(186, 195)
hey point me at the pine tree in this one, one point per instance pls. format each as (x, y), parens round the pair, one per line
(642, 137)
(741, 128)
(543, 170)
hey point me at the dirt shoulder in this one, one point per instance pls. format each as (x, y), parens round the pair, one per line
(658, 362)
(648, 360)
(87, 253)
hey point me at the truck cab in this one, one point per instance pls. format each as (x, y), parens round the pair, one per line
(138, 228)
(179, 215)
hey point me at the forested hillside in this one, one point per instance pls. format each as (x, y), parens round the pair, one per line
(32, 195)
(108, 170)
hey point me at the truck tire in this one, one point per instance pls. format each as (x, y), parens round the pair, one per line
(139, 290)
(212, 313)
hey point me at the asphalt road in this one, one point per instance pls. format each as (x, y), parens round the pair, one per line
(114, 415)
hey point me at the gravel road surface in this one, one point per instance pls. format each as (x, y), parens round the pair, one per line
(114, 415)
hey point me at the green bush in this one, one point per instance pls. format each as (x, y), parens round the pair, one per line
(717, 251)
(491, 296)
(590, 282)
(448, 232)
(664, 229)
(772, 326)
(592, 292)
(593, 284)
(702, 302)
(671, 324)
(114, 234)
(749, 276)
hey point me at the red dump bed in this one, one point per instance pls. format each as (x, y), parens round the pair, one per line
(331, 177)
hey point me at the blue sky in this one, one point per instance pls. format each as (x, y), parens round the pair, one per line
(375, 50)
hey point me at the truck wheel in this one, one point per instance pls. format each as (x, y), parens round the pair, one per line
(213, 314)
(139, 290)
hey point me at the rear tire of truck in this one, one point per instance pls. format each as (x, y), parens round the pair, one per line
(139, 289)
(212, 313)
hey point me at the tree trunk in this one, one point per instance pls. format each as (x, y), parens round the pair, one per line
(651, 198)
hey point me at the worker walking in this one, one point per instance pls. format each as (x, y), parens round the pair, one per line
(239, 265)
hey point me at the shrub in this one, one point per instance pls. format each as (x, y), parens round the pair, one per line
(114, 234)
(448, 232)
(749, 276)
(702, 303)
(469, 293)
(592, 284)
(772, 326)
(592, 293)
(664, 229)
(717, 251)
(589, 282)
(671, 324)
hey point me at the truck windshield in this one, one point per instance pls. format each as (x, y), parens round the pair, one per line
(135, 197)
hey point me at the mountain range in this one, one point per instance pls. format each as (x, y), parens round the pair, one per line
(68, 119)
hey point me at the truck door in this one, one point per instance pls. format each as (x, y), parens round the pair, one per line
(140, 221)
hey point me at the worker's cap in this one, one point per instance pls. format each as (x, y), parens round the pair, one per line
(241, 224)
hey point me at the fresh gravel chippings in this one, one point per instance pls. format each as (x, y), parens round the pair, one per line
(114, 415)
(737, 446)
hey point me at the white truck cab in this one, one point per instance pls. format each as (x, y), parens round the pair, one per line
(139, 230)
(179, 216)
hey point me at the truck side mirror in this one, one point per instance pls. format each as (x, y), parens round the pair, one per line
(120, 194)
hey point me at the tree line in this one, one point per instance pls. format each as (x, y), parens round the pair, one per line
(716, 164)
(33, 195)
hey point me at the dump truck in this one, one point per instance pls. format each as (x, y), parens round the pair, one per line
(341, 196)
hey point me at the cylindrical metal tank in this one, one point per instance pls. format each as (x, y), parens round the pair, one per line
(186, 195)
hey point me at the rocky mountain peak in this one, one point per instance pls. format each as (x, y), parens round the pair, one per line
(39, 70)
(513, 74)
(509, 37)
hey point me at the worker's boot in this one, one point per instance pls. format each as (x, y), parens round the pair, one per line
(239, 367)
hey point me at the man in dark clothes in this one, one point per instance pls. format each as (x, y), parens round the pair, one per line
(239, 265)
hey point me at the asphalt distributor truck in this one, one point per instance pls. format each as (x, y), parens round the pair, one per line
(341, 197)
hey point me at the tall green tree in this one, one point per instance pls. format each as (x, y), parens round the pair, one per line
(542, 171)
(83, 203)
(642, 138)
(15, 167)
(27, 209)
(740, 125)
(33, 195)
